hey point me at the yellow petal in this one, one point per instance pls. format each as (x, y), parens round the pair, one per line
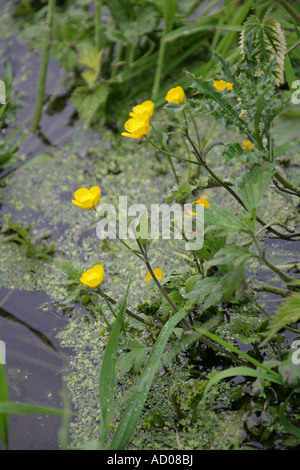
(220, 85)
(157, 272)
(93, 277)
(95, 192)
(175, 95)
(79, 204)
(203, 201)
(80, 193)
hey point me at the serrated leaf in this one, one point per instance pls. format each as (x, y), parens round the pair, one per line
(210, 92)
(223, 221)
(288, 312)
(290, 371)
(231, 255)
(88, 101)
(90, 57)
(253, 185)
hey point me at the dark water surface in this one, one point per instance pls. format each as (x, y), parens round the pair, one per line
(34, 365)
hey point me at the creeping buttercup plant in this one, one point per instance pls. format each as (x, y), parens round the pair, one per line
(213, 301)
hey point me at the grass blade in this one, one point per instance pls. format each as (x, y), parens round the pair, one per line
(141, 389)
(3, 414)
(15, 408)
(232, 348)
(108, 374)
(239, 371)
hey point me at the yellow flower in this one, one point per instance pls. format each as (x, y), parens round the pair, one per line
(158, 274)
(247, 145)
(191, 213)
(146, 107)
(220, 85)
(93, 276)
(87, 198)
(203, 201)
(137, 126)
(175, 95)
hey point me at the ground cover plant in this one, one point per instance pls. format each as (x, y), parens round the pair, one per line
(201, 351)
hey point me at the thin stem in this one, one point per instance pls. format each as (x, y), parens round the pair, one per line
(272, 290)
(43, 68)
(291, 10)
(293, 47)
(160, 287)
(110, 307)
(129, 312)
(287, 184)
(169, 158)
(98, 28)
(117, 60)
(232, 192)
(168, 153)
(263, 257)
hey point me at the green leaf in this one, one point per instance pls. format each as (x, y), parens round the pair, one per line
(253, 185)
(90, 57)
(268, 43)
(140, 392)
(231, 254)
(290, 370)
(3, 398)
(132, 359)
(179, 193)
(108, 374)
(223, 221)
(207, 292)
(10, 407)
(289, 71)
(2, 109)
(240, 353)
(88, 101)
(238, 371)
(210, 92)
(288, 312)
(294, 430)
(43, 157)
(212, 243)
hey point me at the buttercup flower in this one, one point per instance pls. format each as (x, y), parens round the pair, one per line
(203, 201)
(93, 277)
(247, 145)
(175, 95)
(158, 274)
(146, 107)
(87, 198)
(220, 85)
(190, 213)
(137, 126)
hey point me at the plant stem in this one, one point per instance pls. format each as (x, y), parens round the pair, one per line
(169, 157)
(268, 263)
(43, 68)
(160, 287)
(272, 290)
(231, 191)
(117, 60)
(169, 16)
(98, 28)
(107, 298)
(168, 153)
(287, 184)
(291, 10)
